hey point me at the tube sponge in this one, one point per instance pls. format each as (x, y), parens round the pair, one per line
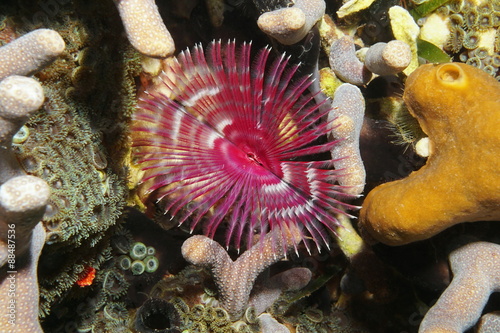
(475, 268)
(20, 98)
(30, 53)
(388, 58)
(22, 203)
(348, 109)
(345, 64)
(145, 28)
(458, 107)
(26, 290)
(289, 25)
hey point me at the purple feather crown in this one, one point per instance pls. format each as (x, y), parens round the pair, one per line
(230, 141)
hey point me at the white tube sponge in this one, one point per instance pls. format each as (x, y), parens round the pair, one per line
(270, 325)
(30, 53)
(475, 268)
(345, 64)
(289, 25)
(489, 323)
(388, 58)
(404, 28)
(23, 200)
(347, 114)
(26, 294)
(145, 28)
(20, 97)
(235, 279)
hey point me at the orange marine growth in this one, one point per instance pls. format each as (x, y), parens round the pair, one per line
(458, 107)
(86, 277)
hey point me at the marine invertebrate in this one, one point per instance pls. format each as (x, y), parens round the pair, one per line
(471, 40)
(20, 97)
(313, 320)
(459, 182)
(404, 126)
(489, 323)
(113, 284)
(388, 58)
(80, 186)
(113, 317)
(140, 259)
(151, 263)
(138, 251)
(124, 262)
(291, 24)
(19, 290)
(145, 28)
(137, 267)
(405, 29)
(23, 200)
(222, 111)
(235, 279)
(88, 189)
(266, 293)
(475, 276)
(270, 325)
(207, 318)
(436, 29)
(348, 109)
(30, 53)
(86, 277)
(345, 64)
(157, 315)
(86, 199)
(454, 43)
(22, 203)
(471, 26)
(381, 58)
(353, 6)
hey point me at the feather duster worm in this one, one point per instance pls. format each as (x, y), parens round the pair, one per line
(227, 140)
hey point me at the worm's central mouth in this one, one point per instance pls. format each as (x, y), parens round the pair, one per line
(252, 157)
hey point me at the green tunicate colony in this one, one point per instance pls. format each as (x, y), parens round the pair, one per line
(140, 259)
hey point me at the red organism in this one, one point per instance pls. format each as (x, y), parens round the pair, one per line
(86, 277)
(235, 141)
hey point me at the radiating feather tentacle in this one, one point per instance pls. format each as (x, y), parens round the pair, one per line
(222, 142)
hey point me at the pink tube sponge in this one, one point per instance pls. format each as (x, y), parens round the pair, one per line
(476, 275)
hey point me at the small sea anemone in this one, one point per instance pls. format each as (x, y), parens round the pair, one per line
(151, 263)
(138, 251)
(233, 140)
(157, 315)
